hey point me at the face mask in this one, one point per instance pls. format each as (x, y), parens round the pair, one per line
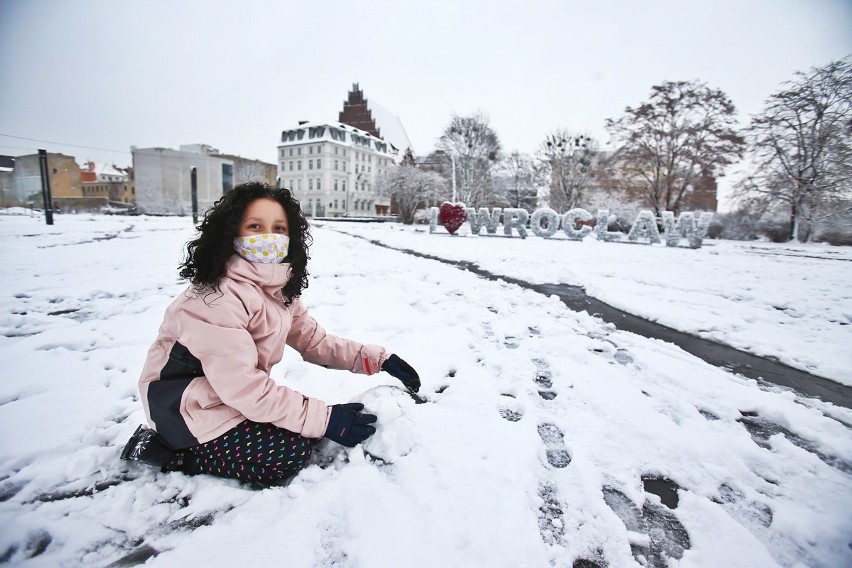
(267, 248)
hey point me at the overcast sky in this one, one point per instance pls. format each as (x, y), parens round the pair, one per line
(111, 74)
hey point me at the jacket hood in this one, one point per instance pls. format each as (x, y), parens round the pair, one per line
(270, 277)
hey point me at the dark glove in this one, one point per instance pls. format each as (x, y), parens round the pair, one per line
(402, 371)
(348, 426)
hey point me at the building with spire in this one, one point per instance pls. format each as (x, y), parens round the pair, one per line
(332, 167)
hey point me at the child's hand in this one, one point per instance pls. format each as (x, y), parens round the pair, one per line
(402, 371)
(348, 426)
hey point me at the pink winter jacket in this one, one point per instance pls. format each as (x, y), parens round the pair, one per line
(208, 370)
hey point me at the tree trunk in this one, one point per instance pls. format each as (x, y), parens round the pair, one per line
(794, 223)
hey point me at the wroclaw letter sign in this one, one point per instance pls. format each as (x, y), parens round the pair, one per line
(576, 224)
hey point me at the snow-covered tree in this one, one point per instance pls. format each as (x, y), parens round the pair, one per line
(567, 161)
(683, 134)
(516, 180)
(800, 146)
(471, 147)
(411, 188)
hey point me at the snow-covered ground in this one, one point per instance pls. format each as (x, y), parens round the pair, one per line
(540, 442)
(792, 302)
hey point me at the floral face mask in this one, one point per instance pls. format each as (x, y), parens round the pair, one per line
(267, 248)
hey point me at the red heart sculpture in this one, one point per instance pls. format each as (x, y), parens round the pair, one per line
(452, 215)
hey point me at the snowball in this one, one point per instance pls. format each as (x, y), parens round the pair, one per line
(396, 433)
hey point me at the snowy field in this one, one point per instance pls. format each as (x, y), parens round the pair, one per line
(543, 440)
(791, 302)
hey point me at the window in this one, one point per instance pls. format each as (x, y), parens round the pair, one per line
(310, 184)
(227, 178)
(335, 150)
(291, 151)
(319, 149)
(291, 165)
(299, 183)
(310, 148)
(335, 164)
(335, 204)
(319, 184)
(344, 185)
(299, 163)
(299, 151)
(310, 164)
(335, 185)
(319, 163)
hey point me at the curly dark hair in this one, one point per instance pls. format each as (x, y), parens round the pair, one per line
(207, 255)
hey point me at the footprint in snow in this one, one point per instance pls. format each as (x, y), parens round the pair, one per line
(544, 380)
(550, 523)
(667, 537)
(553, 438)
(510, 409)
(762, 429)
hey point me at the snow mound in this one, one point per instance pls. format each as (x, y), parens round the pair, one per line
(396, 432)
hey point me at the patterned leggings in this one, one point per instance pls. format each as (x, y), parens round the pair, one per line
(253, 452)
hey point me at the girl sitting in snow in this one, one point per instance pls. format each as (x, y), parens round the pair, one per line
(205, 385)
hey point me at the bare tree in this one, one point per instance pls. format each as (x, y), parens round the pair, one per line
(516, 180)
(683, 134)
(470, 146)
(411, 188)
(567, 160)
(801, 148)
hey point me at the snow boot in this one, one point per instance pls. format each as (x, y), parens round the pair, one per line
(146, 446)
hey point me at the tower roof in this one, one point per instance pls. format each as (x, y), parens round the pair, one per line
(371, 117)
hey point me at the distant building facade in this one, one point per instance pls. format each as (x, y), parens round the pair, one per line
(63, 173)
(332, 169)
(163, 178)
(8, 195)
(701, 196)
(246, 170)
(109, 181)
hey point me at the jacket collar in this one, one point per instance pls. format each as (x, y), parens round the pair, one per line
(270, 277)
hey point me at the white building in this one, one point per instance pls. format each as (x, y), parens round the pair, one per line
(332, 169)
(163, 178)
